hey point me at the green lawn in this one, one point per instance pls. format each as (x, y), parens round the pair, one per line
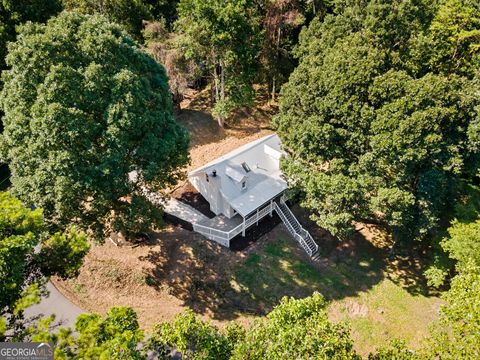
(384, 312)
(376, 308)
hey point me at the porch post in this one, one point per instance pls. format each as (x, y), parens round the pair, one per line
(271, 208)
(257, 216)
(243, 229)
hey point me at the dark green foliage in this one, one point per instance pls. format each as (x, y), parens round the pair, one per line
(370, 136)
(129, 14)
(296, 329)
(15, 12)
(62, 254)
(163, 9)
(83, 108)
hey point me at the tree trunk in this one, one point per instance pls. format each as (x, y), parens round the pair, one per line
(274, 80)
(222, 80)
(277, 55)
(215, 80)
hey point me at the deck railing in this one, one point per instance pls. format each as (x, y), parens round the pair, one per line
(224, 237)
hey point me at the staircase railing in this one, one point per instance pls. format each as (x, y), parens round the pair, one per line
(302, 236)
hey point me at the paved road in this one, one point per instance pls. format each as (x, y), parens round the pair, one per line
(65, 312)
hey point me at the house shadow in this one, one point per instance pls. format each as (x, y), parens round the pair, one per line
(278, 267)
(224, 284)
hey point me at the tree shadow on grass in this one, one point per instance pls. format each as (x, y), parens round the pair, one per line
(195, 271)
(369, 251)
(281, 268)
(214, 281)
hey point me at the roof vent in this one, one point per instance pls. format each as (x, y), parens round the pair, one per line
(246, 167)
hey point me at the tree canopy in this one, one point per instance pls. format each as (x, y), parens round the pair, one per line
(14, 12)
(371, 136)
(129, 14)
(84, 107)
(28, 255)
(296, 329)
(223, 37)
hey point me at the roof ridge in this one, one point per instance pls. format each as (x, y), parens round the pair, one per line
(238, 151)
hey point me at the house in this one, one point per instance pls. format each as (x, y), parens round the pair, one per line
(244, 186)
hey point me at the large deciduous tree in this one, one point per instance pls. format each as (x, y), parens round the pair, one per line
(84, 107)
(296, 329)
(371, 136)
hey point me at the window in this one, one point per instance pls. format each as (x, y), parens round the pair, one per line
(244, 184)
(246, 167)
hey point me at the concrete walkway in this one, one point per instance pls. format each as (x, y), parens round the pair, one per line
(183, 211)
(65, 312)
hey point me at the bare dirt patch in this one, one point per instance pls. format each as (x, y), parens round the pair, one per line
(177, 269)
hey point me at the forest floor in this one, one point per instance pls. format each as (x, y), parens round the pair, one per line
(380, 298)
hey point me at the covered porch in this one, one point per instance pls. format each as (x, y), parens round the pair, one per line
(222, 229)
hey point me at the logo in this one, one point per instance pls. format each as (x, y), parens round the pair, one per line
(26, 351)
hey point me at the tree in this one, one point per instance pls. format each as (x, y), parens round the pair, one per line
(194, 339)
(368, 139)
(456, 336)
(224, 37)
(84, 107)
(463, 242)
(281, 18)
(14, 12)
(129, 14)
(20, 231)
(117, 336)
(454, 38)
(282, 21)
(161, 44)
(165, 10)
(296, 329)
(28, 256)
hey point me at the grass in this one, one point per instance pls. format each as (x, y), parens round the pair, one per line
(383, 313)
(274, 272)
(376, 308)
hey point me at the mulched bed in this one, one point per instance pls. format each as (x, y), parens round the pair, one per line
(240, 243)
(190, 196)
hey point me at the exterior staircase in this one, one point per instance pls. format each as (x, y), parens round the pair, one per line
(295, 228)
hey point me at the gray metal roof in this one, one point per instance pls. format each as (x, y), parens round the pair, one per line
(263, 182)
